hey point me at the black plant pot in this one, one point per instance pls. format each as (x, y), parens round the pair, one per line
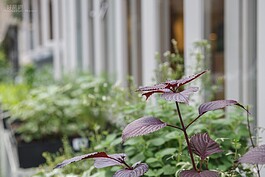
(30, 154)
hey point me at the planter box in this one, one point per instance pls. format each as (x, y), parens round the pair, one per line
(30, 154)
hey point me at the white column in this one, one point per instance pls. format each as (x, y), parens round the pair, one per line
(72, 60)
(65, 37)
(165, 41)
(260, 67)
(26, 27)
(232, 50)
(193, 30)
(121, 41)
(135, 47)
(111, 37)
(86, 45)
(99, 43)
(35, 23)
(150, 38)
(56, 45)
(45, 21)
(248, 74)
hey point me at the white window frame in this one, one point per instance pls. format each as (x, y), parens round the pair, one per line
(150, 38)
(193, 30)
(260, 67)
(121, 41)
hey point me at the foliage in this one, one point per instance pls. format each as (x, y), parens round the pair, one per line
(198, 144)
(165, 151)
(5, 68)
(171, 66)
(68, 109)
(100, 141)
(210, 83)
(35, 77)
(166, 147)
(12, 94)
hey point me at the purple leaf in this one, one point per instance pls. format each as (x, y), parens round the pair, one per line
(254, 156)
(182, 97)
(193, 173)
(142, 126)
(183, 81)
(167, 86)
(152, 88)
(82, 157)
(101, 159)
(219, 104)
(112, 160)
(138, 169)
(149, 93)
(203, 146)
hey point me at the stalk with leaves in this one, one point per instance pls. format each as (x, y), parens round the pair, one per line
(199, 144)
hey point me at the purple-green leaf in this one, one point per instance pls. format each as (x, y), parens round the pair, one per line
(101, 159)
(203, 146)
(193, 173)
(82, 157)
(112, 160)
(149, 93)
(168, 86)
(254, 156)
(137, 170)
(182, 97)
(142, 126)
(152, 88)
(183, 81)
(218, 104)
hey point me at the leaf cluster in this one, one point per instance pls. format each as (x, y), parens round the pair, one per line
(165, 149)
(67, 109)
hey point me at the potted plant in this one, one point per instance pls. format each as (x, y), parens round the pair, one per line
(50, 112)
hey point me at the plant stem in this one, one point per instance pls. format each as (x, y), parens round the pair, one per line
(169, 125)
(249, 131)
(186, 137)
(251, 139)
(193, 121)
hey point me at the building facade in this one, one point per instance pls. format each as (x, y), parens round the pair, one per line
(121, 37)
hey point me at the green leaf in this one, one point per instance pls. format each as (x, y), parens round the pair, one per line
(167, 151)
(157, 141)
(138, 157)
(169, 170)
(133, 141)
(151, 160)
(172, 135)
(116, 141)
(131, 150)
(154, 163)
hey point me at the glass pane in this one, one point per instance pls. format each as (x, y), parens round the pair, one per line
(214, 32)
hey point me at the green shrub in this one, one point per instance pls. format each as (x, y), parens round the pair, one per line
(12, 94)
(68, 109)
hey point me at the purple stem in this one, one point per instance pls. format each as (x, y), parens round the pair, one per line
(169, 125)
(186, 137)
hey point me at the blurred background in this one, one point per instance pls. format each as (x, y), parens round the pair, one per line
(69, 68)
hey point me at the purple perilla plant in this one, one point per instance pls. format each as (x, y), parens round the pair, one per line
(199, 144)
